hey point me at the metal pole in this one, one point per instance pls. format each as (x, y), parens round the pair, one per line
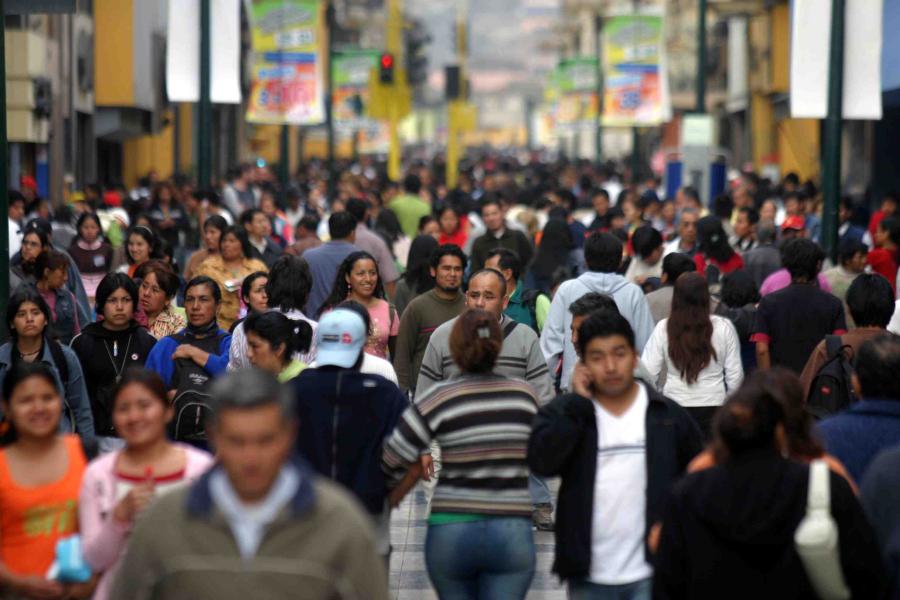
(329, 102)
(395, 47)
(204, 125)
(701, 57)
(4, 176)
(831, 169)
(598, 26)
(284, 159)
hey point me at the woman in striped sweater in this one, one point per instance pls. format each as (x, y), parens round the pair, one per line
(481, 422)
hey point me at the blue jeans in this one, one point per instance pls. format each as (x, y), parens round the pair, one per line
(539, 490)
(492, 559)
(585, 590)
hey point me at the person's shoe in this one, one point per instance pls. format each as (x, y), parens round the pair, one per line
(542, 517)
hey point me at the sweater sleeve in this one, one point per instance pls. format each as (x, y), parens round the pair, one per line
(103, 538)
(406, 346)
(432, 369)
(404, 446)
(536, 372)
(216, 363)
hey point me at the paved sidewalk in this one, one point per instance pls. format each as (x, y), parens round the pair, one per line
(409, 578)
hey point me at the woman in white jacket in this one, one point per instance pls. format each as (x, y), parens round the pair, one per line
(700, 354)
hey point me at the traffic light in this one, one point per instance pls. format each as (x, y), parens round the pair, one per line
(416, 40)
(386, 68)
(453, 85)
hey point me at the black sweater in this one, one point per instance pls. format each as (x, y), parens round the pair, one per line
(95, 350)
(564, 443)
(728, 532)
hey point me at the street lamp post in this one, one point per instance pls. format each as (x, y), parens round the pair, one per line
(831, 169)
(204, 108)
(701, 57)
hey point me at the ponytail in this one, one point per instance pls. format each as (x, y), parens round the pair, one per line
(277, 330)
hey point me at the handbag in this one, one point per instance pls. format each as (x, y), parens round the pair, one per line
(816, 538)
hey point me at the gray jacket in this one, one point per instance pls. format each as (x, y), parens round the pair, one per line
(520, 358)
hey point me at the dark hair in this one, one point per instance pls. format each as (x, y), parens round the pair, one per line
(691, 193)
(599, 192)
(412, 183)
(739, 289)
(14, 197)
(723, 206)
(475, 341)
(425, 220)
(146, 378)
(509, 259)
(247, 215)
(603, 252)
(358, 208)
(341, 225)
(752, 214)
(689, 327)
(603, 324)
(645, 240)
(490, 199)
(591, 303)
(340, 288)
(359, 309)
(870, 300)
(553, 251)
(247, 284)
(215, 222)
(418, 274)
(891, 225)
(802, 258)
(289, 283)
(207, 281)
(447, 250)
(149, 236)
(25, 293)
(713, 241)
(449, 208)
(51, 260)
(241, 236)
(112, 282)
(676, 264)
(277, 329)
(309, 222)
(388, 226)
(747, 422)
(849, 248)
(877, 364)
(18, 373)
(87, 216)
(165, 276)
(765, 233)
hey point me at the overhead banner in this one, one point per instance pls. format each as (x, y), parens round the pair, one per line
(810, 46)
(351, 71)
(287, 38)
(576, 82)
(635, 90)
(183, 51)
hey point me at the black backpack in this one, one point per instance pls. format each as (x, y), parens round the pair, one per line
(192, 400)
(831, 390)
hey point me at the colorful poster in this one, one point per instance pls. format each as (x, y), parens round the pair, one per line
(288, 75)
(575, 93)
(635, 93)
(351, 71)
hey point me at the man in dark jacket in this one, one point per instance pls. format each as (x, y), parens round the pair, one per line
(345, 416)
(618, 446)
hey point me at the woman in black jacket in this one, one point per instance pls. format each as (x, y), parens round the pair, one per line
(728, 531)
(108, 347)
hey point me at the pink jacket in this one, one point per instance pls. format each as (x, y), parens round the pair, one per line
(103, 538)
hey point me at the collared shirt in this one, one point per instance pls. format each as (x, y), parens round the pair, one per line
(168, 322)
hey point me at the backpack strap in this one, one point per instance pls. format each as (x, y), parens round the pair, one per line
(833, 346)
(509, 327)
(818, 496)
(62, 365)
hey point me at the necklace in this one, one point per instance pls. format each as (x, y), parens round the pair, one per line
(115, 354)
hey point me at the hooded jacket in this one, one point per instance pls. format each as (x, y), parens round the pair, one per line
(105, 355)
(345, 417)
(556, 338)
(728, 532)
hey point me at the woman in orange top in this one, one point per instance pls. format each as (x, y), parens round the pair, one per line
(40, 478)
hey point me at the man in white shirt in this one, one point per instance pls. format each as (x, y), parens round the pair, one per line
(618, 446)
(16, 213)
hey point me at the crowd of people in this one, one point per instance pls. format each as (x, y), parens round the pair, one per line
(226, 392)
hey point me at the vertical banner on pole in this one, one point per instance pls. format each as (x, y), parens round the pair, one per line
(288, 63)
(635, 88)
(810, 41)
(352, 97)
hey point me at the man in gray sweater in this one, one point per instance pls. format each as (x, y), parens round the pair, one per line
(520, 358)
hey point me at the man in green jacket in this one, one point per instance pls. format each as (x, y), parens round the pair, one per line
(528, 307)
(260, 524)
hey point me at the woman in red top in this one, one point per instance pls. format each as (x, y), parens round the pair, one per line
(454, 227)
(40, 477)
(883, 259)
(715, 251)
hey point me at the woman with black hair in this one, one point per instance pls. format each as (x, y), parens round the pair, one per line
(91, 252)
(739, 297)
(388, 227)
(110, 346)
(273, 341)
(555, 250)
(700, 353)
(141, 245)
(358, 279)
(213, 229)
(68, 318)
(715, 257)
(27, 319)
(228, 269)
(417, 279)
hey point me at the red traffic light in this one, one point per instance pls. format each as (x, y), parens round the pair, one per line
(386, 72)
(387, 61)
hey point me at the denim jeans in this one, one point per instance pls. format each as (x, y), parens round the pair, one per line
(492, 559)
(585, 590)
(539, 490)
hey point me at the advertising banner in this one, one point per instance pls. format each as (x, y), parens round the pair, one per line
(287, 38)
(351, 71)
(635, 90)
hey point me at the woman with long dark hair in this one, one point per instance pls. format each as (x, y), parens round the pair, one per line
(91, 252)
(701, 353)
(417, 279)
(141, 245)
(273, 340)
(715, 257)
(555, 250)
(358, 279)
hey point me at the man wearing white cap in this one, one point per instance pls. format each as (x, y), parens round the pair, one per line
(345, 415)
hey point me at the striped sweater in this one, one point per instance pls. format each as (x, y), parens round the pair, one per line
(482, 424)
